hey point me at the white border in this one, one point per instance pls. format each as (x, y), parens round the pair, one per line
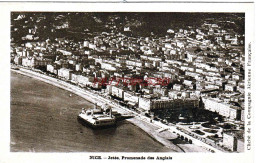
(6, 8)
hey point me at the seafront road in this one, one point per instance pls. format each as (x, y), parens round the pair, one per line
(155, 129)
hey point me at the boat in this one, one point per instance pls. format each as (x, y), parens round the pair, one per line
(97, 118)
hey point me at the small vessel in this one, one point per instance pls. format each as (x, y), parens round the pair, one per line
(97, 118)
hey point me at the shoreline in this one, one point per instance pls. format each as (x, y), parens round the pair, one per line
(156, 137)
(149, 128)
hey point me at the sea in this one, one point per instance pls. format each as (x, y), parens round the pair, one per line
(44, 119)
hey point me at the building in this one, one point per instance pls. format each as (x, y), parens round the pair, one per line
(174, 94)
(36, 62)
(234, 141)
(230, 87)
(224, 109)
(84, 80)
(177, 87)
(18, 60)
(160, 91)
(144, 104)
(74, 78)
(131, 98)
(108, 66)
(52, 69)
(117, 92)
(65, 73)
(149, 104)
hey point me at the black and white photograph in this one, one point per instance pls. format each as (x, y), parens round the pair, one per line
(125, 83)
(158, 82)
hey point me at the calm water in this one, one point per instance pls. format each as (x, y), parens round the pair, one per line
(44, 119)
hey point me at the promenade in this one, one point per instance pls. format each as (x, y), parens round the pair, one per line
(159, 131)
